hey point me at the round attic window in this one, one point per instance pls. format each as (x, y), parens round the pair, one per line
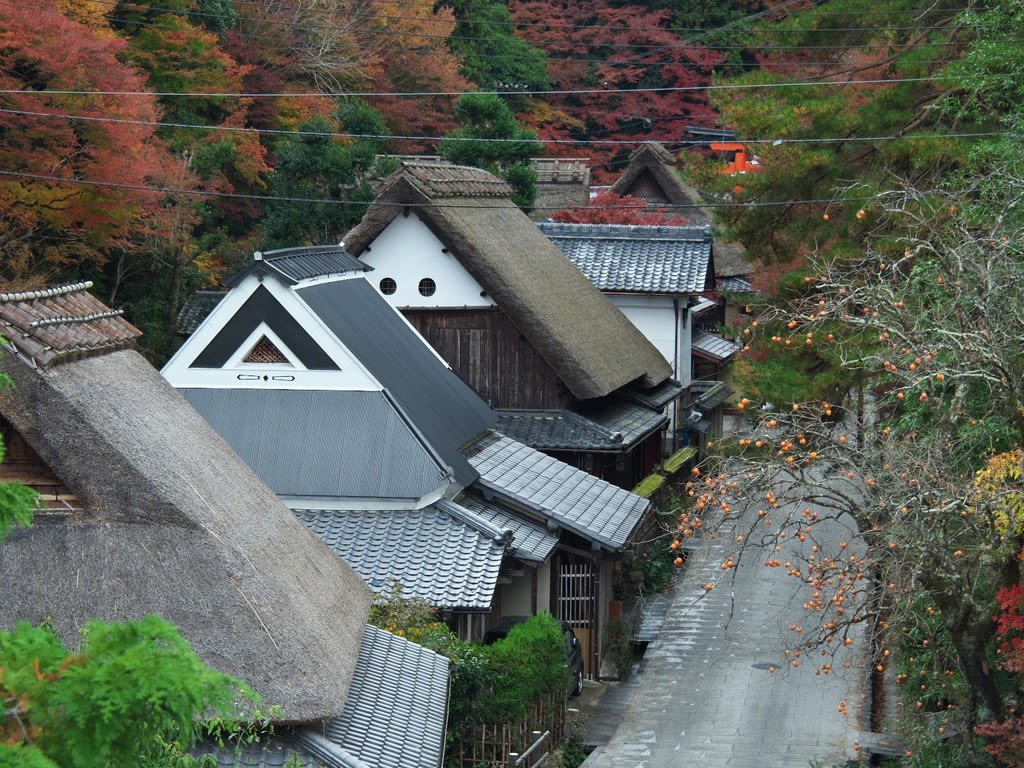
(388, 286)
(427, 287)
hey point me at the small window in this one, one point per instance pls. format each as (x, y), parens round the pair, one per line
(388, 286)
(427, 287)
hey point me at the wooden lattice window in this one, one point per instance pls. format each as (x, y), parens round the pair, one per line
(265, 352)
(647, 188)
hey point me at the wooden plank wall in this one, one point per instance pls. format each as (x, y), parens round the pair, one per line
(487, 350)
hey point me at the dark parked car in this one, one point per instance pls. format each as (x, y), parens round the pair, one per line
(573, 651)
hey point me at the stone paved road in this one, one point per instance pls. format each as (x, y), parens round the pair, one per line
(706, 697)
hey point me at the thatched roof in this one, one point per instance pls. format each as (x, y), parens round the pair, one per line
(651, 175)
(591, 345)
(167, 520)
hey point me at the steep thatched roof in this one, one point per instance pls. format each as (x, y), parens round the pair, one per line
(167, 520)
(651, 175)
(589, 343)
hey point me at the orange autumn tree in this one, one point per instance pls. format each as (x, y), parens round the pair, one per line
(894, 530)
(78, 153)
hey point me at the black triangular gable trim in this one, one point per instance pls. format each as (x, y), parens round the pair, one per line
(263, 307)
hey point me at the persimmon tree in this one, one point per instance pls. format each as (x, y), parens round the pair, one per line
(918, 467)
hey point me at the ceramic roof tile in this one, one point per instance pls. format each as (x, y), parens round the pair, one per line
(587, 505)
(433, 553)
(637, 259)
(610, 426)
(530, 541)
(397, 705)
(713, 346)
(63, 323)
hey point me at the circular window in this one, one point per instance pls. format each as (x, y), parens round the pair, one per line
(427, 287)
(388, 286)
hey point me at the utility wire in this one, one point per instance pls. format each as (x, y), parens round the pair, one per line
(669, 207)
(389, 137)
(426, 94)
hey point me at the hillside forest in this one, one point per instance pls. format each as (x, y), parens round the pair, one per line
(151, 145)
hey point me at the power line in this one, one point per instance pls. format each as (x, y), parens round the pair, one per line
(428, 94)
(388, 137)
(669, 207)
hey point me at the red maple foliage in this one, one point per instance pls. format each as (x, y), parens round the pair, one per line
(610, 208)
(78, 149)
(623, 72)
(1005, 738)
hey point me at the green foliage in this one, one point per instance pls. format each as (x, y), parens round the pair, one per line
(489, 137)
(131, 696)
(526, 666)
(492, 55)
(16, 501)
(322, 181)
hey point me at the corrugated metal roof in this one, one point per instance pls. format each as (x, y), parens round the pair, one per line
(530, 541)
(587, 505)
(323, 443)
(432, 553)
(439, 403)
(295, 264)
(637, 259)
(396, 711)
(713, 346)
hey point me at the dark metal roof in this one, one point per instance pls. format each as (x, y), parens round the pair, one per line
(612, 425)
(317, 443)
(434, 553)
(445, 409)
(296, 264)
(569, 497)
(637, 259)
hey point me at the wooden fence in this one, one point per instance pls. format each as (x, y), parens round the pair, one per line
(498, 745)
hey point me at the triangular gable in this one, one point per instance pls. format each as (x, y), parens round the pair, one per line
(261, 335)
(263, 310)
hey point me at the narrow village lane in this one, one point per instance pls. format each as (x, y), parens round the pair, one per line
(707, 696)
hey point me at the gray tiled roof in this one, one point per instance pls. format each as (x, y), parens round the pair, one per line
(734, 285)
(310, 443)
(637, 259)
(611, 426)
(394, 717)
(435, 553)
(713, 346)
(196, 308)
(530, 541)
(576, 500)
(396, 710)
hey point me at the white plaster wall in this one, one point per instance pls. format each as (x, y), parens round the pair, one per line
(407, 251)
(655, 318)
